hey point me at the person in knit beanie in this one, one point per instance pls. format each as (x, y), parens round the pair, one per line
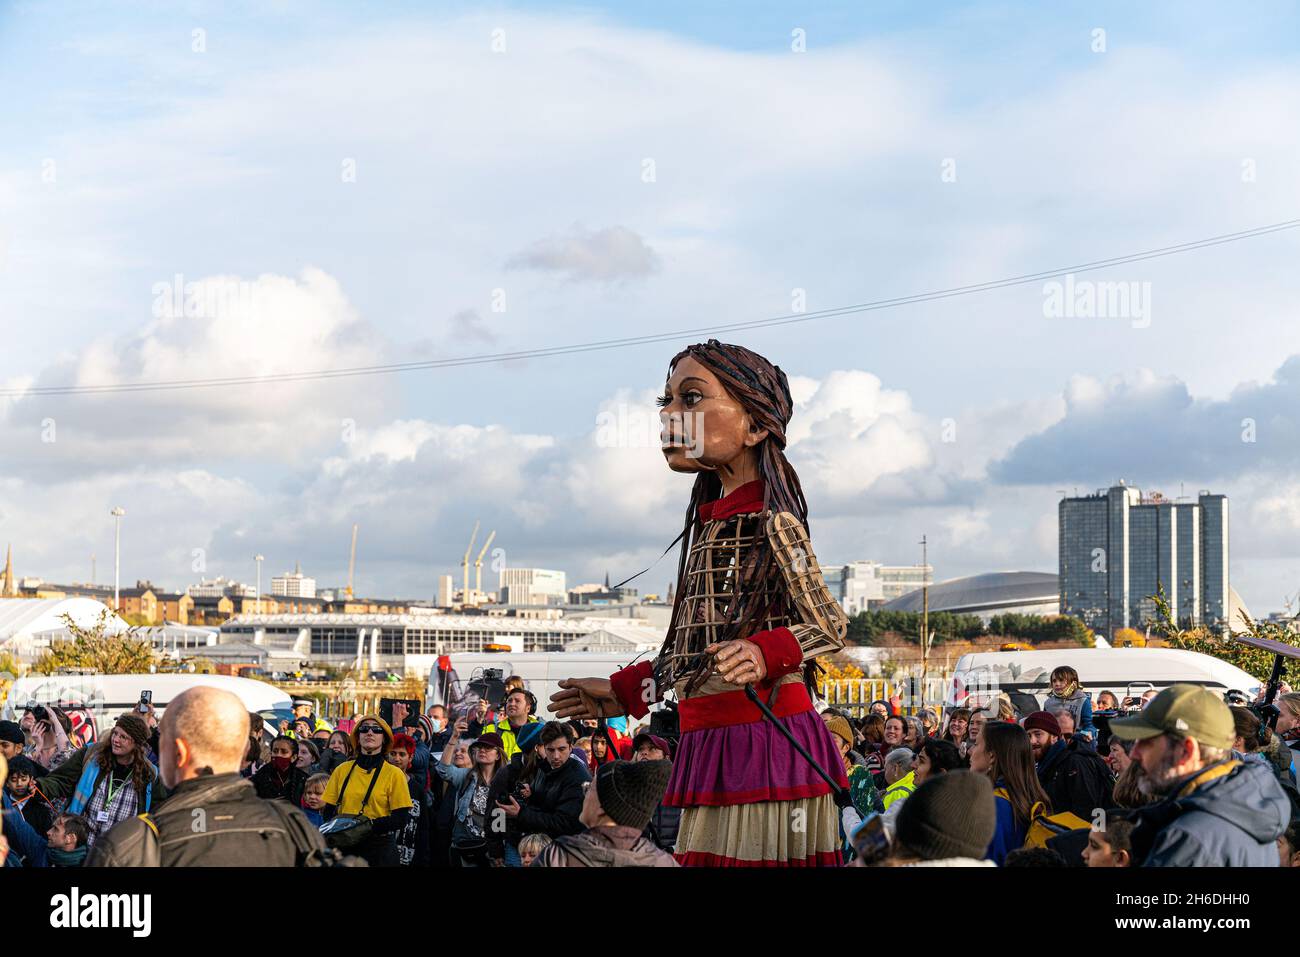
(1072, 773)
(947, 822)
(615, 811)
(109, 782)
(862, 785)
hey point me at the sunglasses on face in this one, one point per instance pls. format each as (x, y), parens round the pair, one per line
(370, 729)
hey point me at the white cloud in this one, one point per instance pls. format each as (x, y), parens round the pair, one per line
(601, 255)
(1144, 424)
(224, 327)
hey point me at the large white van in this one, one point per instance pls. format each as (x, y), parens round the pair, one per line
(541, 671)
(105, 697)
(1123, 671)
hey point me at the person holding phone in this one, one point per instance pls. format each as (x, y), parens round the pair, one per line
(50, 746)
(476, 792)
(110, 782)
(304, 709)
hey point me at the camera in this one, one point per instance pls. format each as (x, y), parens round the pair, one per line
(490, 686)
(665, 723)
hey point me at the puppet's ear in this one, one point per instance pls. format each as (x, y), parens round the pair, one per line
(755, 435)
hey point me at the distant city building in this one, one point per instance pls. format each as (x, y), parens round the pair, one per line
(446, 589)
(989, 594)
(613, 596)
(412, 641)
(8, 589)
(532, 586)
(294, 585)
(592, 594)
(861, 586)
(1118, 547)
(219, 587)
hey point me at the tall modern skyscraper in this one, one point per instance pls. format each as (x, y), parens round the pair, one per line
(1118, 547)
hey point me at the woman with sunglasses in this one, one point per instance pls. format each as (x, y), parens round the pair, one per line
(386, 801)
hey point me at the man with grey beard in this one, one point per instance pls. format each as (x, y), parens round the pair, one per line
(1210, 809)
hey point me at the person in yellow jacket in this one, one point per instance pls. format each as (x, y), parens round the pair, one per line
(520, 706)
(899, 776)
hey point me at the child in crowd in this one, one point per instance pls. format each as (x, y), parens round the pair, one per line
(313, 798)
(1066, 695)
(531, 846)
(1112, 847)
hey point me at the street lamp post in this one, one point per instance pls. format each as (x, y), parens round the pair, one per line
(258, 595)
(117, 514)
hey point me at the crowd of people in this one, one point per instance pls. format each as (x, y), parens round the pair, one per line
(1186, 780)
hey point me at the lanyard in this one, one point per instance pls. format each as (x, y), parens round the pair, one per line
(113, 791)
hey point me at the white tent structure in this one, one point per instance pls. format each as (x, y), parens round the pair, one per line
(28, 624)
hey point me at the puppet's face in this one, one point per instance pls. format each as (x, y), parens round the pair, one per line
(702, 427)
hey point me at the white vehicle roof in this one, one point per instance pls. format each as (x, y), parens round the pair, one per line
(1102, 669)
(110, 695)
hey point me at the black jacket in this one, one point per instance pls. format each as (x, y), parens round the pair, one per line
(663, 827)
(413, 838)
(556, 801)
(270, 783)
(1076, 779)
(212, 821)
(38, 813)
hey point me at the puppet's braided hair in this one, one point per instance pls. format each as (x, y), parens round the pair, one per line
(764, 391)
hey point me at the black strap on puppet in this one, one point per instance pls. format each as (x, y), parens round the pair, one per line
(670, 547)
(842, 798)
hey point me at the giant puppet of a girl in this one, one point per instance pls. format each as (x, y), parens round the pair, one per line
(751, 608)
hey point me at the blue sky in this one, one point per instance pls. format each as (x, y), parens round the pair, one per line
(130, 158)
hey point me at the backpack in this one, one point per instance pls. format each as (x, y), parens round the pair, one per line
(1042, 826)
(310, 853)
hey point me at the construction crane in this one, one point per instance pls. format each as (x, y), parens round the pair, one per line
(478, 566)
(352, 560)
(464, 565)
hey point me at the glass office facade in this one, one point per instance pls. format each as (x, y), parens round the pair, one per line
(1082, 556)
(1117, 551)
(1214, 557)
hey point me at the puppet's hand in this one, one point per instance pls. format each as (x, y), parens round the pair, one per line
(585, 698)
(739, 662)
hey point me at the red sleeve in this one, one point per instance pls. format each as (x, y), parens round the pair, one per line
(781, 652)
(629, 685)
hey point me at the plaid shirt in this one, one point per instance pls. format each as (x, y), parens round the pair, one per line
(126, 803)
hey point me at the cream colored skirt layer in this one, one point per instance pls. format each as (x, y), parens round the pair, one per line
(803, 833)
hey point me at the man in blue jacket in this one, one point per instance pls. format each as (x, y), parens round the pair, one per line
(1212, 810)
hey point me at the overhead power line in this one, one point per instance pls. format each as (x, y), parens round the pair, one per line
(629, 341)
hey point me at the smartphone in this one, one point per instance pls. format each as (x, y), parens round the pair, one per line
(870, 840)
(146, 699)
